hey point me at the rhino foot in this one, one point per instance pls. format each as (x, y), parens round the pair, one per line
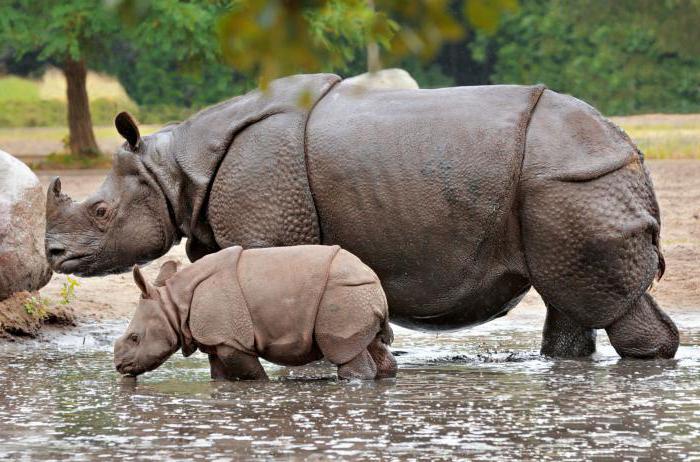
(644, 332)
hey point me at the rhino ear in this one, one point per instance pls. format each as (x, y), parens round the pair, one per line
(126, 126)
(141, 282)
(167, 270)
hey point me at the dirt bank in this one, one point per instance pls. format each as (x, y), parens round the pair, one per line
(24, 313)
(678, 189)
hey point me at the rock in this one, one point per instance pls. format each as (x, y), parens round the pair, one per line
(23, 264)
(384, 79)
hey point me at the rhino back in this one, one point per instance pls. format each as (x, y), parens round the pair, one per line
(421, 185)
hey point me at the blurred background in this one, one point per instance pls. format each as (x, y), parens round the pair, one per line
(67, 67)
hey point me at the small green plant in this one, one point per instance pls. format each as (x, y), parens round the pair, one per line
(68, 290)
(36, 307)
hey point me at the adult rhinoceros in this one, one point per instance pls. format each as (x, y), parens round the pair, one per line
(459, 198)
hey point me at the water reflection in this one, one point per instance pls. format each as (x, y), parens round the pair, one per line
(480, 394)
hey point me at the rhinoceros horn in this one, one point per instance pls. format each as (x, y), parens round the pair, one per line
(54, 197)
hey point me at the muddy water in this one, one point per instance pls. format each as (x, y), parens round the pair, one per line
(482, 394)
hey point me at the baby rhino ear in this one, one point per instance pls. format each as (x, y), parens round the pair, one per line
(141, 282)
(167, 270)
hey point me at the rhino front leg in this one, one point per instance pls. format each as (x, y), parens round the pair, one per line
(230, 364)
(360, 367)
(565, 338)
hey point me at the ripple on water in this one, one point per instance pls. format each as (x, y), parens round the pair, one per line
(479, 394)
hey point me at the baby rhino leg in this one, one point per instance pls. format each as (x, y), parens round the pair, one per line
(360, 367)
(231, 364)
(644, 332)
(383, 359)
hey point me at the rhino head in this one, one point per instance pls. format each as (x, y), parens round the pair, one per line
(126, 221)
(152, 336)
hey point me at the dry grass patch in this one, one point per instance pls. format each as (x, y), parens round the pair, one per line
(664, 136)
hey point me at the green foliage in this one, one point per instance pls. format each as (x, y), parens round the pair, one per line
(311, 36)
(163, 113)
(171, 54)
(428, 75)
(77, 29)
(36, 307)
(613, 64)
(174, 57)
(68, 290)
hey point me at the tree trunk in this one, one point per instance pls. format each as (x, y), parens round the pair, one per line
(374, 63)
(81, 137)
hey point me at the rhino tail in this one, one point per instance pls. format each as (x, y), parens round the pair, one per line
(386, 333)
(653, 208)
(656, 242)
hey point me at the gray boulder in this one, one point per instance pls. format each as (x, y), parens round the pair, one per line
(23, 264)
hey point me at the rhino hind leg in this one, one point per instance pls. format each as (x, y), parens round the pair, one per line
(563, 337)
(644, 332)
(360, 367)
(383, 359)
(591, 248)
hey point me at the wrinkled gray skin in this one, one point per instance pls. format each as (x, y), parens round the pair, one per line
(460, 199)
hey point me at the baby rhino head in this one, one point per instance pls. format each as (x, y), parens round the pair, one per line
(152, 336)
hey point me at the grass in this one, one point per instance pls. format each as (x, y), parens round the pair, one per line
(42, 103)
(58, 161)
(14, 88)
(664, 136)
(58, 134)
(52, 87)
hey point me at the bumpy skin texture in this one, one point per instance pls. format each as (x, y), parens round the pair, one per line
(266, 176)
(288, 305)
(257, 140)
(460, 199)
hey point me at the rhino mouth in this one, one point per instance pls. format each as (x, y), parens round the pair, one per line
(86, 265)
(70, 264)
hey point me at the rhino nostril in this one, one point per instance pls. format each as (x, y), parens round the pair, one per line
(56, 251)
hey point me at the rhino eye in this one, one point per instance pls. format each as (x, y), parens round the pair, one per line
(134, 338)
(101, 211)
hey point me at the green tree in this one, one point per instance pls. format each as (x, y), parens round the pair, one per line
(623, 57)
(172, 55)
(155, 50)
(72, 34)
(291, 36)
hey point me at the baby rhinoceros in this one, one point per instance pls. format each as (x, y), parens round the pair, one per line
(288, 305)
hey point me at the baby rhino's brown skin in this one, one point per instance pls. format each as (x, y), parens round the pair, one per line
(288, 305)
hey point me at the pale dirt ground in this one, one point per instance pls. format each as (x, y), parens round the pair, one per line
(678, 189)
